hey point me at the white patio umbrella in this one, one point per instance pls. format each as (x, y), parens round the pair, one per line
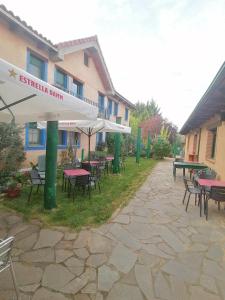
(25, 98)
(29, 99)
(90, 127)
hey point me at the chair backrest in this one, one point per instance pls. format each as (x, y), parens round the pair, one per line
(5, 250)
(41, 163)
(207, 174)
(77, 163)
(98, 172)
(34, 176)
(69, 166)
(187, 183)
(217, 193)
(82, 180)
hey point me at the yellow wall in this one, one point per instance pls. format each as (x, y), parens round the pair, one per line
(218, 163)
(13, 48)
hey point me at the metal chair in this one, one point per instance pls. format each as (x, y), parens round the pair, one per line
(79, 182)
(102, 165)
(192, 190)
(36, 180)
(65, 178)
(217, 193)
(6, 260)
(95, 176)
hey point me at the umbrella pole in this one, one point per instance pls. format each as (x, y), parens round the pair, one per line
(89, 147)
(51, 164)
(116, 161)
(138, 150)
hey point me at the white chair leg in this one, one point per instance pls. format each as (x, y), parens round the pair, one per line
(14, 280)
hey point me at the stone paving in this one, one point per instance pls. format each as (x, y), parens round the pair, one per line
(152, 249)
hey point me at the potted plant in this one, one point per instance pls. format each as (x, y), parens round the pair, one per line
(13, 189)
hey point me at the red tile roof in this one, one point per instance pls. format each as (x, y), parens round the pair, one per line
(23, 23)
(77, 42)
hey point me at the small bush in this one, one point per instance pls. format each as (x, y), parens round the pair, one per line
(161, 148)
(11, 150)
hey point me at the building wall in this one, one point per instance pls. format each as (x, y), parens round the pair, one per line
(14, 50)
(218, 162)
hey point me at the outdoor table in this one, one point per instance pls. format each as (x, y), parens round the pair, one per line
(187, 165)
(91, 162)
(76, 172)
(208, 183)
(109, 158)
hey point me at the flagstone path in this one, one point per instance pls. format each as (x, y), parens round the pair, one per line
(152, 249)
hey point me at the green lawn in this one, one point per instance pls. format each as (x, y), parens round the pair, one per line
(116, 192)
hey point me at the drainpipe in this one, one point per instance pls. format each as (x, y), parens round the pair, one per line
(199, 142)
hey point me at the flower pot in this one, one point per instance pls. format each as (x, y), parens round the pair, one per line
(13, 192)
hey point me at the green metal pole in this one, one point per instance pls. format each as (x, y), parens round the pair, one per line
(116, 161)
(138, 148)
(51, 164)
(82, 154)
(148, 145)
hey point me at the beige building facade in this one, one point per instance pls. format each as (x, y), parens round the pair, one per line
(76, 66)
(205, 128)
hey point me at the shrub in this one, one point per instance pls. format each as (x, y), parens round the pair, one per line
(161, 147)
(11, 150)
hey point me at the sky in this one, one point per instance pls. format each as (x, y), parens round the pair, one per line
(168, 50)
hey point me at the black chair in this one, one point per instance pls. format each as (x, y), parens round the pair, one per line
(204, 174)
(217, 193)
(65, 178)
(79, 182)
(192, 190)
(102, 165)
(95, 176)
(35, 180)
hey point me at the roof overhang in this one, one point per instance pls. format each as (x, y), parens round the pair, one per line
(211, 103)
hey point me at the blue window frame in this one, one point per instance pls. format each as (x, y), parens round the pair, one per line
(62, 139)
(36, 65)
(101, 103)
(99, 138)
(110, 106)
(115, 108)
(126, 114)
(77, 89)
(61, 79)
(35, 138)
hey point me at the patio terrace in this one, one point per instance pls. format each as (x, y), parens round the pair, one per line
(152, 249)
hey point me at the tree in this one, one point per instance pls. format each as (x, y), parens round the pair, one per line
(145, 111)
(11, 148)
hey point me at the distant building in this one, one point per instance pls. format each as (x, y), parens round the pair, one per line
(76, 66)
(205, 128)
